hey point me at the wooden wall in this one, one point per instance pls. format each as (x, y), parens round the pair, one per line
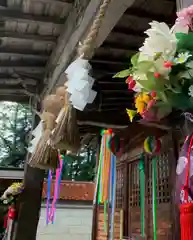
(128, 195)
(101, 234)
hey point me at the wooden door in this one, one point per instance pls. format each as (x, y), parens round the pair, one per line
(164, 199)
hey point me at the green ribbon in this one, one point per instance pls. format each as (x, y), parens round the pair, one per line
(154, 195)
(105, 216)
(142, 193)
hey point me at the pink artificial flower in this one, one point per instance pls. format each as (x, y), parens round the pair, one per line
(185, 17)
(151, 103)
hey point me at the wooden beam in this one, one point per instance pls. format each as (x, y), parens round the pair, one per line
(66, 3)
(17, 81)
(31, 199)
(24, 52)
(15, 91)
(114, 13)
(67, 44)
(23, 70)
(108, 118)
(24, 63)
(15, 98)
(8, 14)
(30, 37)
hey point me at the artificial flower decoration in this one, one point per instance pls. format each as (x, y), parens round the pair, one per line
(131, 113)
(161, 73)
(12, 191)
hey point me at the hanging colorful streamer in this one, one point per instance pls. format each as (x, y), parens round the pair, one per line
(142, 193)
(106, 180)
(152, 146)
(50, 212)
(154, 196)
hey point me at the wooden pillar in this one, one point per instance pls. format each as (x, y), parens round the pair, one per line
(29, 202)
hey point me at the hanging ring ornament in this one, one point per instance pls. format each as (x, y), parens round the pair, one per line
(152, 145)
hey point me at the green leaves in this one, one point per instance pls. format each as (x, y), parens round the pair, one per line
(134, 59)
(144, 66)
(188, 74)
(152, 84)
(163, 109)
(184, 41)
(179, 101)
(189, 64)
(123, 74)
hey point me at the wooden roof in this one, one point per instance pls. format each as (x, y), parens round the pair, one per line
(39, 38)
(28, 33)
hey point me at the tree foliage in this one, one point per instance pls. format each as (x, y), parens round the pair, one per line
(15, 126)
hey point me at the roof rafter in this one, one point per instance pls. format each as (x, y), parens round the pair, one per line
(24, 52)
(23, 63)
(31, 37)
(16, 81)
(7, 14)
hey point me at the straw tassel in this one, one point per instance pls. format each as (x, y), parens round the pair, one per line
(45, 156)
(66, 134)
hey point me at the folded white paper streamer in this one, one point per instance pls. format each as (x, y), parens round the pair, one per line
(79, 84)
(36, 133)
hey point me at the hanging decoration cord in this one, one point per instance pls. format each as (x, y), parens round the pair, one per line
(106, 182)
(188, 169)
(154, 196)
(142, 193)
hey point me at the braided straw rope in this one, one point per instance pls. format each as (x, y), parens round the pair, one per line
(66, 133)
(87, 48)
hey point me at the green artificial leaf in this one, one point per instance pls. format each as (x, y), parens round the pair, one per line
(184, 41)
(161, 95)
(179, 101)
(134, 59)
(175, 83)
(163, 109)
(123, 74)
(189, 64)
(188, 74)
(152, 84)
(144, 66)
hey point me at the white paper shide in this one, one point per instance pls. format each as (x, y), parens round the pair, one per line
(79, 84)
(36, 133)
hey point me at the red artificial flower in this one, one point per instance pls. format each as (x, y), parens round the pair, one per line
(131, 84)
(129, 79)
(153, 94)
(168, 64)
(11, 213)
(157, 74)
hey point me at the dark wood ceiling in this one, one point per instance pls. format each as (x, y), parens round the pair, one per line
(28, 33)
(114, 55)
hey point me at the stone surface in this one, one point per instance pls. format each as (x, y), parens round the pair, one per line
(72, 223)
